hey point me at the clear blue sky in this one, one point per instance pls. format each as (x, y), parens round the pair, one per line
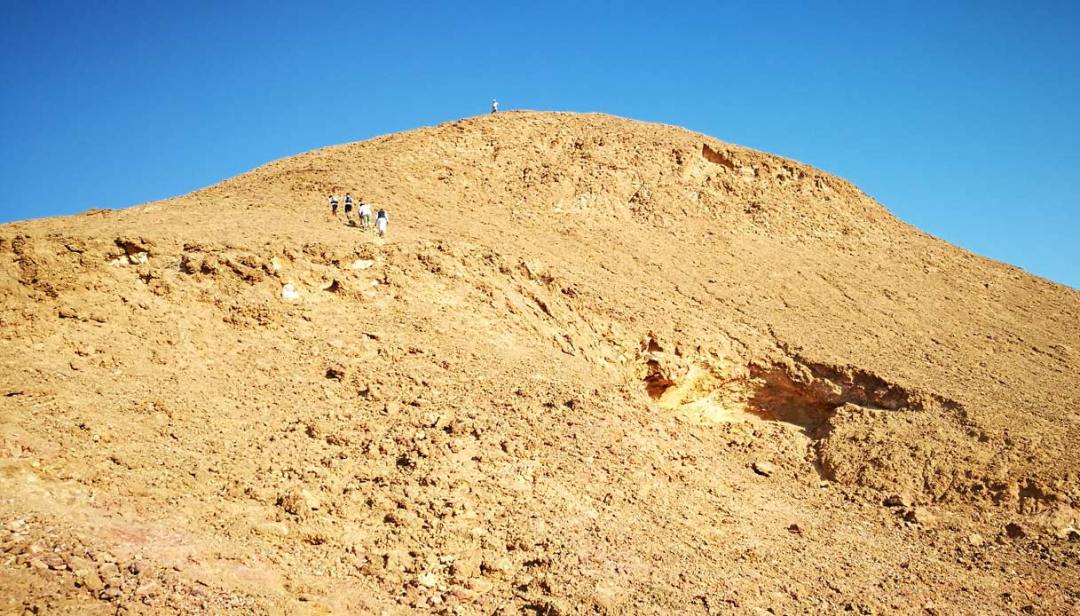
(962, 119)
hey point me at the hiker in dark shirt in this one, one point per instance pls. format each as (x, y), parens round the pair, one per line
(380, 222)
(348, 208)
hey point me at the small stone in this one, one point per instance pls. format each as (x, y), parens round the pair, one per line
(976, 539)
(80, 566)
(763, 468)
(109, 571)
(1015, 531)
(55, 561)
(428, 580)
(369, 392)
(481, 585)
(499, 567)
(148, 589)
(312, 501)
(897, 500)
(1063, 522)
(109, 594)
(466, 566)
(299, 502)
(92, 582)
(608, 596)
(921, 516)
(289, 292)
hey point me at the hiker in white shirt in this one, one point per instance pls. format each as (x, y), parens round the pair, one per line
(364, 212)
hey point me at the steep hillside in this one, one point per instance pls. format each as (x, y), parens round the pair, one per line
(597, 366)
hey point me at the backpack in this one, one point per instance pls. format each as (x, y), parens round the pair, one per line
(382, 214)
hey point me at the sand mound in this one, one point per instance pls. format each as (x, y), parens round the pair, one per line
(596, 366)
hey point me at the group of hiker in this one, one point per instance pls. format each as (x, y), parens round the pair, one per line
(363, 212)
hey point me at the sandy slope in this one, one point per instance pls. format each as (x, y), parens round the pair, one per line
(598, 366)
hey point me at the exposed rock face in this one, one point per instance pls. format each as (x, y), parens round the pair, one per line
(595, 365)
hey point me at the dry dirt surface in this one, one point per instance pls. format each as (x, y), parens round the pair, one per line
(597, 366)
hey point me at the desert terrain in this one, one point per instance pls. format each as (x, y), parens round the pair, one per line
(597, 366)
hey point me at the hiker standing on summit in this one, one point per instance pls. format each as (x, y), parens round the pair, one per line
(494, 106)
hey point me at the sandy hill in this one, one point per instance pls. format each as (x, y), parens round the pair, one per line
(597, 366)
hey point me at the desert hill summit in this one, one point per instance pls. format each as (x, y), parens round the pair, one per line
(597, 366)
